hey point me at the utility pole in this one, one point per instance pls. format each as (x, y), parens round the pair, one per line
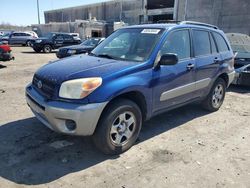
(121, 4)
(145, 11)
(38, 11)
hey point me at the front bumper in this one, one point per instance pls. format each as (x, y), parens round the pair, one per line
(7, 56)
(54, 114)
(242, 76)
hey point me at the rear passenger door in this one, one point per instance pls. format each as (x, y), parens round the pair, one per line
(207, 60)
(174, 84)
(68, 40)
(14, 38)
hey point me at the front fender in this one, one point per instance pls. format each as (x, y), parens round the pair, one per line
(112, 88)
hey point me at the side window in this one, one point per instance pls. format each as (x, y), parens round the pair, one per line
(27, 34)
(221, 43)
(213, 45)
(59, 37)
(68, 38)
(178, 43)
(201, 43)
(15, 34)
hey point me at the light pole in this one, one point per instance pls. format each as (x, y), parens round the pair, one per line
(121, 4)
(38, 11)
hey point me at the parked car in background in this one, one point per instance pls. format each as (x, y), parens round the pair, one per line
(136, 73)
(85, 47)
(20, 38)
(241, 46)
(54, 41)
(33, 33)
(75, 35)
(5, 52)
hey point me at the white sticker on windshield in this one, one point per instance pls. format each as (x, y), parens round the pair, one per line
(151, 31)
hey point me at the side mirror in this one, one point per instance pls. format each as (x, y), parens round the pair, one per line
(168, 59)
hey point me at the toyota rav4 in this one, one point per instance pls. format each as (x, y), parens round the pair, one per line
(136, 73)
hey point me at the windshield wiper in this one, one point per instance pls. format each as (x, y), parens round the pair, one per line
(105, 56)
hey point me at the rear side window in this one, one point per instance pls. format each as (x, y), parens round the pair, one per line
(59, 37)
(213, 45)
(201, 43)
(221, 43)
(68, 37)
(178, 42)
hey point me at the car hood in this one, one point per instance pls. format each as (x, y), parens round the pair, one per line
(81, 66)
(77, 47)
(42, 38)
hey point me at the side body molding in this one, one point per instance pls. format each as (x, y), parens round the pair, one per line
(179, 91)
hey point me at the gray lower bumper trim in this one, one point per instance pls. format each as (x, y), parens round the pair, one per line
(54, 114)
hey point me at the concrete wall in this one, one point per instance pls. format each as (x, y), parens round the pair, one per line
(111, 11)
(84, 28)
(229, 15)
(128, 11)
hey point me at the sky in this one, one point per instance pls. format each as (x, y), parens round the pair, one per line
(24, 12)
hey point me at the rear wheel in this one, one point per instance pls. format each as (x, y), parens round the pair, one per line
(47, 48)
(118, 127)
(216, 96)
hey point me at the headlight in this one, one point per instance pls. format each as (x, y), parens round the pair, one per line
(38, 41)
(79, 88)
(71, 51)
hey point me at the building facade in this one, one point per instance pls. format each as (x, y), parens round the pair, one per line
(229, 15)
(128, 11)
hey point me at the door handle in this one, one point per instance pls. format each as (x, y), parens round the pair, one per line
(190, 66)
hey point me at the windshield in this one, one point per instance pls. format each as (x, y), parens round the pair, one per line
(129, 44)
(90, 42)
(6, 35)
(49, 35)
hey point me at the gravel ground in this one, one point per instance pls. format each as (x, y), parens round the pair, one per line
(187, 147)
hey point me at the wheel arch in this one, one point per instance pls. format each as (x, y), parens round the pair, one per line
(225, 77)
(135, 96)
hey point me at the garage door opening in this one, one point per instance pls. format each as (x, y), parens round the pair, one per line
(96, 33)
(158, 18)
(159, 4)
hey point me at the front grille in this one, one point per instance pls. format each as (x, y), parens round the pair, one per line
(47, 89)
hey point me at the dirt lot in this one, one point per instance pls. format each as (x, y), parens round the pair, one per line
(187, 147)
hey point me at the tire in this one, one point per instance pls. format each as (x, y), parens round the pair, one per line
(47, 48)
(118, 127)
(215, 98)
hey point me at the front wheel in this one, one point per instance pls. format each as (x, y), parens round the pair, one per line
(216, 96)
(118, 127)
(47, 48)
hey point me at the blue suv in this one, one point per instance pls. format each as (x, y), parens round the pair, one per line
(136, 73)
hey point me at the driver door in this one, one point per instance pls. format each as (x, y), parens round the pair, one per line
(174, 84)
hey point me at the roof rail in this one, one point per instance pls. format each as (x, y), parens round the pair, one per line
(199, 23)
